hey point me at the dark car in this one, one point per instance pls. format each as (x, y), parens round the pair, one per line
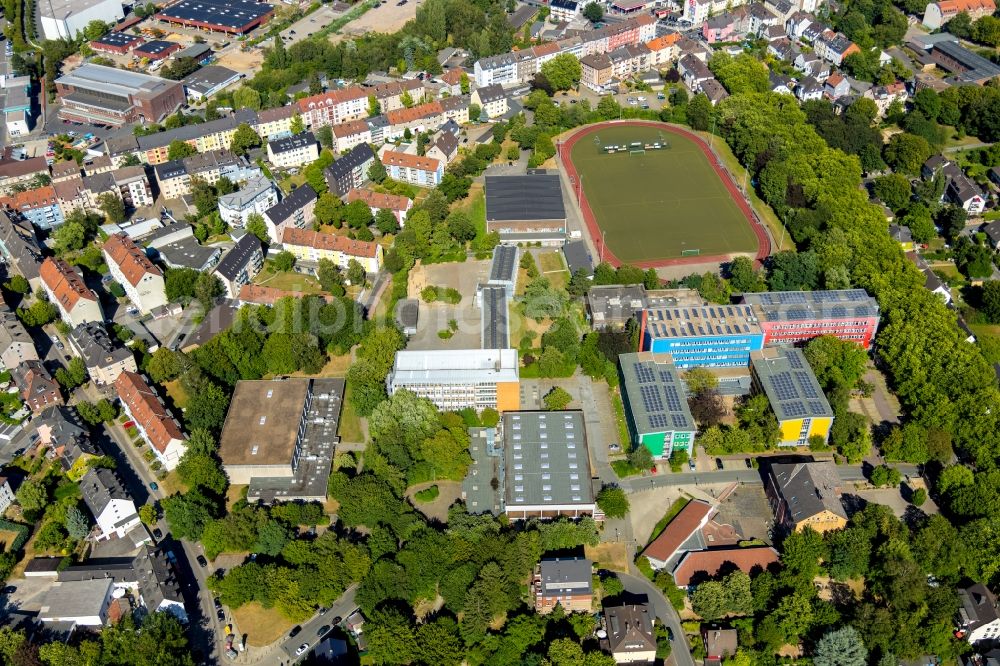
(202, 561)
(718, 463)
(10, 589)
(157, 534)
(296, 630)
(322, 610)
(336, 620)
(221, 614)
(218, 604)
(323, 630)
(749, 463)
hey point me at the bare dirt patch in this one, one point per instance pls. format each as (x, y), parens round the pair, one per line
(611, 556)
(647, 509)
(244, 62)
(262, 625)
(388, 18)
(448, 493)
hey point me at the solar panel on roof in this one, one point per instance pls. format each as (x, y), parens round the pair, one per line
(673, 399)
(666, 377)
(658, 420)
(797, 314)
(644, 373)
(794, 408)
(783, 386)
(679, 421)
(838, 311)
(795, 361)
(805, 384)
(816, 407)
(651, 399)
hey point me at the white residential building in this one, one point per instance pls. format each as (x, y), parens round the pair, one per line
(132, 269)
(293, 151)
(256, 196)
(111, 506)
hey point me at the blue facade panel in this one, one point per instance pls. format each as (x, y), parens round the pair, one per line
(711, 351)
(46, 217)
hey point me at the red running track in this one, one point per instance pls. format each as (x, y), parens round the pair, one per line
(565, 157)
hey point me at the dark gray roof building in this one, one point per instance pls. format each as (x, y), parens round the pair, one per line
(294, 142)
(350, 171)
(503, 268)
(786, 377)
(208, 80)
(188, 253)
(189, 132)
(237, 259)
(99, 486)
(805, 489)
(655, 401)
(527, 207)
(298, 199)
(495, 332)
(19, 245)
(630, 630)
(578, 258)
(99, 352)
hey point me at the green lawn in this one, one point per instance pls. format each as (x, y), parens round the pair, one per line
(290, 281)
(349, 427)
(656, 205)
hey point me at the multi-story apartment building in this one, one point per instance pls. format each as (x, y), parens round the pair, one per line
(256, 196)
(277, 122)
(132, 269)
(790, 317)
(294, 211)
(293, 151)
(351, 170)
(398, 204)
(65, 288)
(151, 417)
(39, 206)
(241, 264)
(311, 246)
(105, 359)
(565, 582)
(455, 379)
(109, 503)
(203, 137)
(420, 118)
(492, 100)
(351, 134)
(420, 171)
(334, 107)
(174, 177)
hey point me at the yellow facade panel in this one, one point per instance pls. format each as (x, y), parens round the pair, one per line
(508, 396)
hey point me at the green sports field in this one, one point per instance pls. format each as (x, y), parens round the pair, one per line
(656, 205)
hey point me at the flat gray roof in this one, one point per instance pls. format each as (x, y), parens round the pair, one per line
(209, 77)
(812, 305)
(503, 269)
(487, 465)
(533, 197)
(546, 460)
(704, 320)
(78, 598)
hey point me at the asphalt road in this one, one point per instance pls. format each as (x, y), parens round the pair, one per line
(285, 652)
(203, 625)
(680, 651)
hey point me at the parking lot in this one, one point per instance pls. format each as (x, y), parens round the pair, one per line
(435, 317)
(747, 510)
(307, 25)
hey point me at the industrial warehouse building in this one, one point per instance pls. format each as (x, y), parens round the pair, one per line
(279, 437)
(64, 19)
(234, 17)
(525, 209)
(109, 96)
(456, 379)
(656, 407)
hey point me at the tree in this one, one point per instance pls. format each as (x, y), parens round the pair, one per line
(355, 272)
(198, 470)
(563, 72)
(113, 207)
(640, 457)
(207, 408)
(207, 288)
(556, 399)
(593, 12)
(377, 173)
(18, 284)
(699, 112)
(244, 138)
(147, 514)
(707, 408)
(188, 514)
(385, 221)
(699, 380)
(257, 227)
(247, 98)
(613, 501)
(841, 647)
(178, 150)
(39, 313)
(893, 190)
(329, 209)
(357, 214)
(73, 375)
(990, 301)
(283, 261)
(76, 523)
(297, 126)
(907, 152)
(32, 496)
(743, 277)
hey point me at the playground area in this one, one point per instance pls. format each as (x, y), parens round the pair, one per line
(657, 196)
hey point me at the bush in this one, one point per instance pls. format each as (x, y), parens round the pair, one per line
(919, 497)
(427, 495)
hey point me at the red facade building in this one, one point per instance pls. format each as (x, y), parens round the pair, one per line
(790, 317)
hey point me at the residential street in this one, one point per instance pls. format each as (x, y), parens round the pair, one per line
(636, 583)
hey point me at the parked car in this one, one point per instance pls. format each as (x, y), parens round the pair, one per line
(323, 630)
(218, 604)
(202, 561)
(157, 534)
(295, 631)
(305, 646)
(154, 485)
(221, 615)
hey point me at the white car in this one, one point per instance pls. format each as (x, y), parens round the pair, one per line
(642, 99)
(302, 648)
